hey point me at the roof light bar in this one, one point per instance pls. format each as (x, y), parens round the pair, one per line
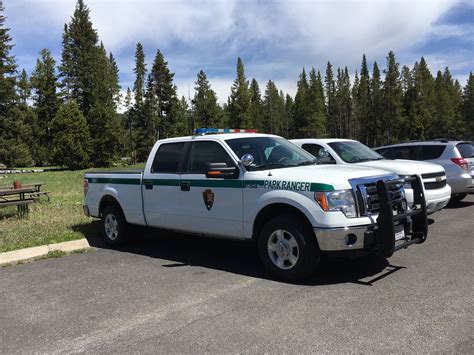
(202, 131)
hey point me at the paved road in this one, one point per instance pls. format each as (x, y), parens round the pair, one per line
(186, 294)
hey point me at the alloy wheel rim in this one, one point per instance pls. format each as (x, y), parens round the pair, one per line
(283, 249)
(111, 227)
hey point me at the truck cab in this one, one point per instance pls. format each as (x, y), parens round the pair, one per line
(264, 188)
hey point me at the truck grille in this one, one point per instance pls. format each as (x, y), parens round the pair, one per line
(433, 181)
(373, 206)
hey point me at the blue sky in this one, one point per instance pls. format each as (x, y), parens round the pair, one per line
(274, 38)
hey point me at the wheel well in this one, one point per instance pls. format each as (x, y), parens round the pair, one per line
(107, 200)
(273, 210)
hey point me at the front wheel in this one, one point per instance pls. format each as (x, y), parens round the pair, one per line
(114, 226)
(457, 197)
(288, 248)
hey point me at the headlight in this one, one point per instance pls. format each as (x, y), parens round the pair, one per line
(341, 200)
(406, 185)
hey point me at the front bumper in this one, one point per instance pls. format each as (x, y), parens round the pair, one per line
(437, 199)
(380, 236)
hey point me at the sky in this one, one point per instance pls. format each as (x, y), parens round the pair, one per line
(275, 39)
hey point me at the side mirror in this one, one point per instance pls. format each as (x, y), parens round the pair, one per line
(221, 171)
(247, 159)
(323, 153)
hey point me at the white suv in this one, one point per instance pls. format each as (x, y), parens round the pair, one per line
(354, 153)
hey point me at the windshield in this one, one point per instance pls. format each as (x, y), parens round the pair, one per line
(270, 152)
(354, 152)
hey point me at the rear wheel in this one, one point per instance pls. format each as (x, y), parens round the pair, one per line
(288, 248)
(457, 197)
(114, 225)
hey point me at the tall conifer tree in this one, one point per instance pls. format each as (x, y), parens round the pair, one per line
(205, 109)
(392, 100)
(239, 100)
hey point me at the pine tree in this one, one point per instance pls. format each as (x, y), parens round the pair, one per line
(330, 88)
(183, 117)
(140, 73)
(273, 110)
(161, 83)
(80, 42)
(46, 104)
(256, 106)
(90, 77)
(376, 108)
(239, 100)
(468, 107)
(392, 117)
(421, 110)
(355, 128)
(8, 69)
(301, 107)
(147, 131)
(343, 105)
(72, 143)
(24, 87)
(363, 101)
(316, 125)
(205, 108)
(288, 129)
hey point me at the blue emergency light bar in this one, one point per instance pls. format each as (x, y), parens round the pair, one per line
(201, 131)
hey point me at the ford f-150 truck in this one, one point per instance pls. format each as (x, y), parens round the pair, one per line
(354, 153)
(260, 187)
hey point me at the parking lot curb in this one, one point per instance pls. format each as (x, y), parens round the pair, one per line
(14, 256)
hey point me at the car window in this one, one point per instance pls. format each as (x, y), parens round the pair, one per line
(465, 149)
(314, 149)
(206, 152)
(167, 158)
(405, 152)
(354, 152)
(430, 152)
(385, 152)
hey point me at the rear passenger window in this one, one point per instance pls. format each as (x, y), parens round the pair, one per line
(429, 152)
(465, 149)
(167, 158)
(405, 152)
(203, 153)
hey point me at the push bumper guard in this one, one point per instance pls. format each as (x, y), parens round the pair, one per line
(414, 221)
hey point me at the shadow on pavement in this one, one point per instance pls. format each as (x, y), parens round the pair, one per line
(460, 204)
(238, 257)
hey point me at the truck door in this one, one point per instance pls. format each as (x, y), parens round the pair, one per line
(161, 186)
(210, 206)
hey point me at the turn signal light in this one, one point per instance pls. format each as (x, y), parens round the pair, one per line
(320, 198)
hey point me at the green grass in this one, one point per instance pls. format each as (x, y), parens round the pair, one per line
(56, 221)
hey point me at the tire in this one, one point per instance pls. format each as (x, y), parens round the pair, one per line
(288, 248)
(457, 197)
(115, 228)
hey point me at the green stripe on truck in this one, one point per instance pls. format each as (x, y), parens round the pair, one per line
(200, 183)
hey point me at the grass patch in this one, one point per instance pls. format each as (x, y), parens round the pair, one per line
(59, 220)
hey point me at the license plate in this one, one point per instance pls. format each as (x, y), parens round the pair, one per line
(399, 232)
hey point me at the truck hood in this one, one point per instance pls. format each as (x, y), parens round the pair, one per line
(403, 167)
(337, 176)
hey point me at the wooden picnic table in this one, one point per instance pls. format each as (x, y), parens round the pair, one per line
(21, 197)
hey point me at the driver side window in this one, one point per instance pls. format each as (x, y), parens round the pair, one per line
(314, 149)
(206, 152)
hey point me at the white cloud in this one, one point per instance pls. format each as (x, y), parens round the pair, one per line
(276, 39)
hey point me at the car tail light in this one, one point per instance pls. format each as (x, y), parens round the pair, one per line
(86, 186)
(461, 162)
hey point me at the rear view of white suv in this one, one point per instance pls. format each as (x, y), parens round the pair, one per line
(351, 152)
(456, 157)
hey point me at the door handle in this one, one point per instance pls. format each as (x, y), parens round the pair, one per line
(149, 184)
(185, 186)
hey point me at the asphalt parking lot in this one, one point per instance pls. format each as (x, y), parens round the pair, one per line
(172, 293)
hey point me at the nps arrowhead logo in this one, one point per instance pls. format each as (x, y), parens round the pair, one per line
(208, 197)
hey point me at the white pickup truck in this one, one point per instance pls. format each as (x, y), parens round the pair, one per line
(353, 153)
(260, 187)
